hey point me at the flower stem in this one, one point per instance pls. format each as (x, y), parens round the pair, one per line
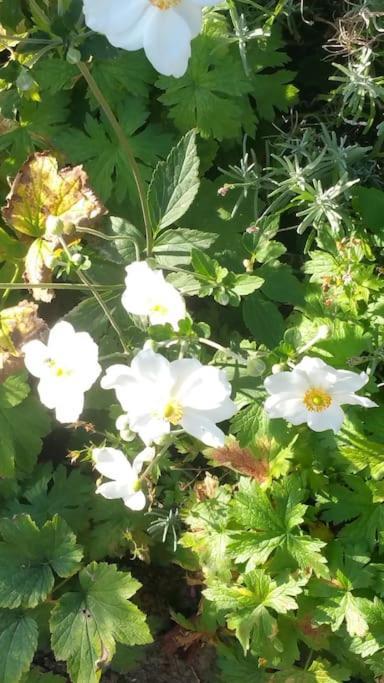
(155, 460)
(89, 284)
(126, 147)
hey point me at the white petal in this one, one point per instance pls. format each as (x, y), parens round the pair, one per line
(349, 382)
(354, 400)
(204, 3)
(112, 463)
(36, 356)
(60, 336)
(331, 418)
(152, 367)
(49, 390)
(115, 375)
(205, 388)
(319, 373)
(114, 489)
(167, 43)
(146, 455)
(126, 28)
(224, 411)
(192, 15)
(294, 382)
(136, 501)
(122, 380)
(202, 428)
(150, 428)
(69, 410)
(288, 407)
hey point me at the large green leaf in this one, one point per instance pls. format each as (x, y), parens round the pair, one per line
(264, 320)
(29, 556)
(86, 624)
(18, 642)
(23, 423)
(175, 183)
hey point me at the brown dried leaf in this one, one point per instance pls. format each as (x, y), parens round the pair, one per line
(207, 488)
(18, 325)
(241, 460)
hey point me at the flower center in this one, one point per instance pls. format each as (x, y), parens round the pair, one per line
(159, 308)
(165, 4)
(56, 369)
(317, 400)
(173, 412)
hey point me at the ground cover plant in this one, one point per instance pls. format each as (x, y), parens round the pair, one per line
(191, 345)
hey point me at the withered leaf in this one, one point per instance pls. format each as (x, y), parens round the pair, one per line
(18, 325)
(241, 460)
(41, 196)
(41, 190)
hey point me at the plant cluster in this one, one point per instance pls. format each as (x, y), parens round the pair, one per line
(191, 337)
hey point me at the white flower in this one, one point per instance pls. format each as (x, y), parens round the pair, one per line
(125, 483)
(164, 28)
(147, 293)
(157, 394)
(313, 393)
(67, 366)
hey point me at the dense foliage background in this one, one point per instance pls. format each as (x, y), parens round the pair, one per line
(268, 216)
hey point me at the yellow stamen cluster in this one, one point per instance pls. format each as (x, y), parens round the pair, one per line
(173, 412)
(159, 308)
(165, 4)
(317, 400)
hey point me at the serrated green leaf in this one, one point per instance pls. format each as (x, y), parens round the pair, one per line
(28, 557)
(85, 625)
(175, 183)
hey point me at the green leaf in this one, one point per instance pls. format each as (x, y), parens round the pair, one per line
(29, 556)
(245, 423)
(100, 151)
(369, 201)
(18, 643)
(37, 676)
(247, 605)
(320, 671)
(274, 91)
(264, 320)
(175, 183)
(211, 96)
(281, 285)
(173, 247)
(270, 522)
(23, 424)
(85, 625)
(67, 493)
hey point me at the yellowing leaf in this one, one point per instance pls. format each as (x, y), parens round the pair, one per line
(45, 202)
(18, 325)
(41, 190)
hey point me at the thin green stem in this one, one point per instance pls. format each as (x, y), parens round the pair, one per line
(90, 285)
(8, 290)
(53, 285)
(126, 147)
(155, 460)
(111, 238)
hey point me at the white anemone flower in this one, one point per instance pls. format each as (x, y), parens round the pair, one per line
(125, 484)
(313, 393)
(67, 366)
(157, 394)
(148, 294)
(164, 28)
